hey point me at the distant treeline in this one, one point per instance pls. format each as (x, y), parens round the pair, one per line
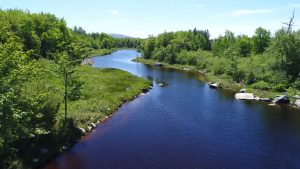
(263, 61)
(104, 41)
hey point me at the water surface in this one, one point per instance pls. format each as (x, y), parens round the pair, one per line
(186, 125)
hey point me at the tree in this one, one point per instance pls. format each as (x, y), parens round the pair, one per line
(149, 47)
(261, 40)
(67, 70)
(244, 45)
(286, 48)
(15, 71)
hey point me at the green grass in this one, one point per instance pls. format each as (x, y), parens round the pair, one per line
(103, 91)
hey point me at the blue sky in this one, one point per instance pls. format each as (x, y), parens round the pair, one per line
(140, 18)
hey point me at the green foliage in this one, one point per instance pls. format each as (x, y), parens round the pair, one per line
(261, 85)
(244, 45)
(261, 40)
(279, 87)
(15, 111)
(33, 88)
(262, 61)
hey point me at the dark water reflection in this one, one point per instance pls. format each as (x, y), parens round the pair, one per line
(185, 124)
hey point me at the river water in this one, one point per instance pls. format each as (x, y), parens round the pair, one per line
(186, 125)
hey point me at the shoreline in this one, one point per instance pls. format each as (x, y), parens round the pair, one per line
(83, 126)
(103, 52)
(231, 86)
(49, 162)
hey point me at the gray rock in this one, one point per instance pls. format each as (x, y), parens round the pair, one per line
(244, 96)
(265, 99)
(297, 103)
(281, 99)
(243, 90)
(158, 64)
(81, 130)
(93, 125)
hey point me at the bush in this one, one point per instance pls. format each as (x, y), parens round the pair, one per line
(280, 87)
(261, 85)
(296, 84)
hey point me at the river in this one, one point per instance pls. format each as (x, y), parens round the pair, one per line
(186, 125)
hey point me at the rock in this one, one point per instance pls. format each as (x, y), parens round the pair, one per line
(243, 90)
(296, 97)
(65, 147)
(214, 85)
(89, 128)
(158, 64)
(160, 84)
(81, 130)
(244, 96)
(93, 125)
(281, 99)
(265, 99)
(142, 94)
(297, 103)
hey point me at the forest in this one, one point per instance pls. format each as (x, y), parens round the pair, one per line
(264, 61)
(42, 85)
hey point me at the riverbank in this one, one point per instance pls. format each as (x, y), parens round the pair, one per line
(99, 52)
(103, 91)
(225, 83)
(102, 52)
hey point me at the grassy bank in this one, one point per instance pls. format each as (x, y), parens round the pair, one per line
(103, 91)
(99, 52)
(225, 82)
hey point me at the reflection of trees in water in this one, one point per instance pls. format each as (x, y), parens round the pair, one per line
(281, 117)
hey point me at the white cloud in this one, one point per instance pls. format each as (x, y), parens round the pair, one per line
(114, 12)
(249, 12)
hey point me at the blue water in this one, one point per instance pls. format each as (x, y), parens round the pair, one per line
(186, 125)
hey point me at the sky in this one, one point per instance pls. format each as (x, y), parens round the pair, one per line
(141, 18)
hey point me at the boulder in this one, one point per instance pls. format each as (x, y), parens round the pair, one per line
(297, 103)
(93, 125)
(158, 64)
(281, 99)
(81, 130)
(244, 96)
(214, 85)
(243, 90)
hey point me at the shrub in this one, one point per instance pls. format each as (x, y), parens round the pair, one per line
(261, 85)
(280, 87)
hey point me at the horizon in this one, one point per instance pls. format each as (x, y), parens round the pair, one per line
(146, 18)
